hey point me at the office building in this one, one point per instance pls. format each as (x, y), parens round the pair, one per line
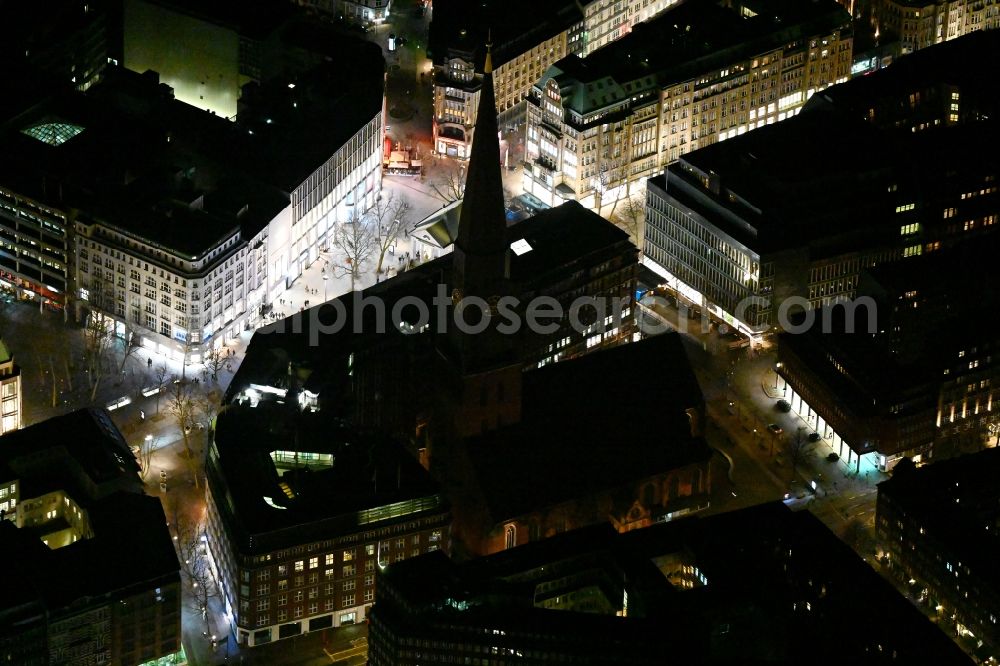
(11, 413)
(91, 571)
(69, 40)
(923, 384)
(758, 585)
(189, 240)
(525, 42)
(302, 512)
(698, 73)
(743, 226)
(941, 86)
(936, 525)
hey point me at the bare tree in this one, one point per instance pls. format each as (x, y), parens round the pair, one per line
(798, 449)
(208, 405)
(215, 361)
(183, 407)
(160, 375)
(144, 454)
(390, 219)
(130, 343)
(630, 218)
(98, 341)
(195, 568)
(448, 182)
(357, 241)
(613, 175)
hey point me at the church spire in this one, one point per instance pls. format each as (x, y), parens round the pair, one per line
(481, 247)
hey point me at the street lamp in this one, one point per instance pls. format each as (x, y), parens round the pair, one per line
(325, 278)
(777, 366)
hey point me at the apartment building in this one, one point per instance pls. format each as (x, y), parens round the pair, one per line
(525, 45)
(917, 24)
(698, 73)
(10, 391)
(921, 381)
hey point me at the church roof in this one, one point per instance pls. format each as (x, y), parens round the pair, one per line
(482, 225)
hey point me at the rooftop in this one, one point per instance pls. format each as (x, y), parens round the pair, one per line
(95, 460)
(131, 547)
(514, 26)
(686, 41)
(128, 154)
(768, 190)
(563, 450)
(956, 502)
(964, 63)
(301, 475)
(754, 573)
(557, 236)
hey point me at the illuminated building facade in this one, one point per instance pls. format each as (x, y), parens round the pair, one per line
(653, 596)
(699, 73)
(524, 47)
(10, 392)
(366, 11)
(221, 49)
(185, 243)
(93, 576)
(926, 379)
(936, 527)
(302, 513)
(734, 229)
(918, 24)
(34, 244)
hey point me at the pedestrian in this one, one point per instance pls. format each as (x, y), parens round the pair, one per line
(149, 362)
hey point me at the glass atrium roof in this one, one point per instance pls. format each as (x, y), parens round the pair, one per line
(53, 133)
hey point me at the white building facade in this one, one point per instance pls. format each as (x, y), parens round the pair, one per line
(180, 306)
(351, 177)
(597, 129)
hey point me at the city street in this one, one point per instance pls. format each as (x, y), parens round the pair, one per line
(739, 391)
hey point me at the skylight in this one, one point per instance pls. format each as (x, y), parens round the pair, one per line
(52, 133)
(520, 247)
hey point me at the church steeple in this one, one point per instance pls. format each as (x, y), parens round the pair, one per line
(481, 249)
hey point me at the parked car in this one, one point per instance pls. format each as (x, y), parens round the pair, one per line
(775, 428)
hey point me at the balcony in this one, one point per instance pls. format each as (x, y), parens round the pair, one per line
(546, 163)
